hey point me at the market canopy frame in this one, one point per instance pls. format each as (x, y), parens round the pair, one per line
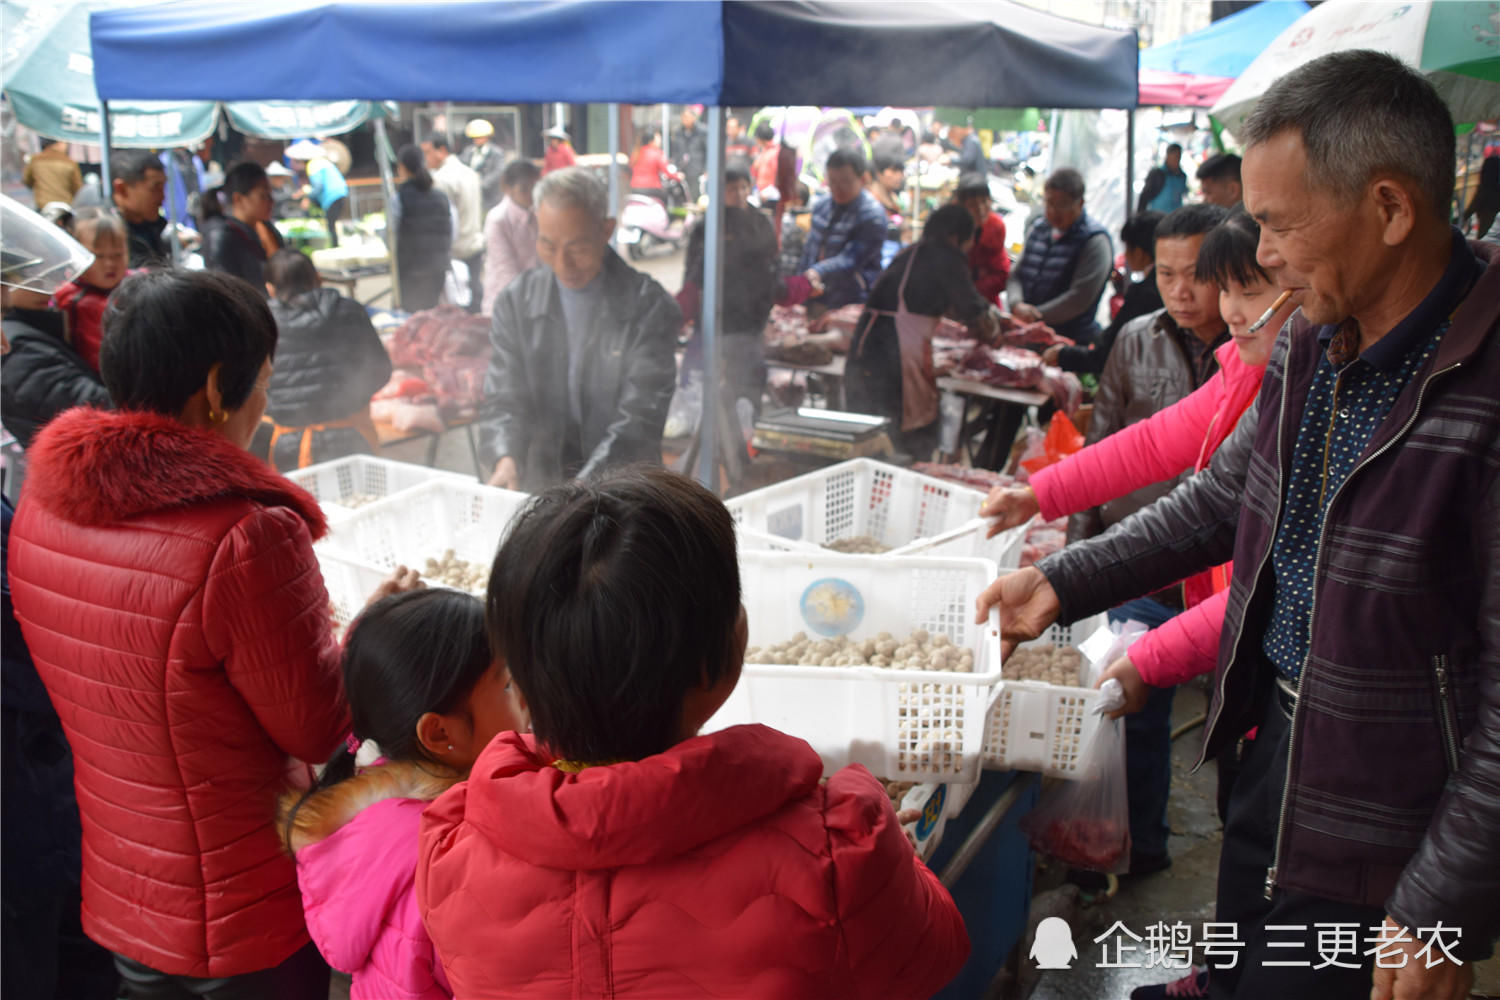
(721, 53)
(735, 52)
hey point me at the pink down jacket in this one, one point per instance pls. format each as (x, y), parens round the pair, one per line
(1183, 436)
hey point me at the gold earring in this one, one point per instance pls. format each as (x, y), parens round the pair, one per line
(215, 417)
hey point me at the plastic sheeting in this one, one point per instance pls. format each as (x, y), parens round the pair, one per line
(729, 53)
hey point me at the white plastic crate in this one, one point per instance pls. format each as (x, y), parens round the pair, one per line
(903, 724)
(1035, 726)
(758, 541)
(409, 528)
(865, 498)
(347, 484)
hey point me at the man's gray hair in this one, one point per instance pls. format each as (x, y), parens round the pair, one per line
(1360, 114)
(577, 188)
(1067, 180)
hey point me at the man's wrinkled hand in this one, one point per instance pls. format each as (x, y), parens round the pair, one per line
(1008, 507)
(506, 475)
(1415, 979)
(1026, 312)
(1028, 605)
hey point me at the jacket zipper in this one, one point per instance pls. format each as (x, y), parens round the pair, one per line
(1245, 611)
(1291, 746)
(1445, 712)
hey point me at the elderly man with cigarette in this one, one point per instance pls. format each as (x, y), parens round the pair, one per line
(1360, 498)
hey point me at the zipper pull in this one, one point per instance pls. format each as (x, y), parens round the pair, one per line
(1270, 880)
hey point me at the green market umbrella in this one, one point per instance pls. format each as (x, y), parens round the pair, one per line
(1455, 43)
(299, 119)
(48, 75)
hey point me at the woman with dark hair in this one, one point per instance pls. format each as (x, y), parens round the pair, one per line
(166, 586)
(424, 227)
(890, 371)
(234, 216)
(329, 363)
(614, 850)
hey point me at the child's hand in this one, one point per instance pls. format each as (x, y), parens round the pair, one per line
(906, 817)
(399, 582)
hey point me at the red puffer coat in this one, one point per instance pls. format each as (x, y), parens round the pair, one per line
(166, 585)
(721, 868)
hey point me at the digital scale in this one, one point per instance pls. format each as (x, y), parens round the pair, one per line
(830, 434)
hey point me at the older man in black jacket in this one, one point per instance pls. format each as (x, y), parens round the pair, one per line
(1359, 496)
(583, 367)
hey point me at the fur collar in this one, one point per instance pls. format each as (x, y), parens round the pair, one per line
(96, 467)
(328, 810)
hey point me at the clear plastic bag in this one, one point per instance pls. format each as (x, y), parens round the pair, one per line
(1085, 823)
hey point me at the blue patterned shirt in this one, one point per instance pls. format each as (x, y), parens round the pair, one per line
(1346, 404)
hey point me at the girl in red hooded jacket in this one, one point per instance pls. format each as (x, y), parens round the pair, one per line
(617, 853)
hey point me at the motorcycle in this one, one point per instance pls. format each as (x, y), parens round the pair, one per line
(645, 222)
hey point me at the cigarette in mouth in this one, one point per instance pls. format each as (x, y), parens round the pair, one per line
(1280, 301)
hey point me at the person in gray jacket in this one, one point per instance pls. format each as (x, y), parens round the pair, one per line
(583, 364)
(1360, 499)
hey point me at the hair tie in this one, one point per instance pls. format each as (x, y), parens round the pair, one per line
(353, 743)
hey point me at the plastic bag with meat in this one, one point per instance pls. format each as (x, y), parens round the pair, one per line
(1086, 822)
(1043, 539)
(785, 323)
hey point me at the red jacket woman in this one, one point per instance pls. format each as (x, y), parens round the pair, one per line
(166, 585)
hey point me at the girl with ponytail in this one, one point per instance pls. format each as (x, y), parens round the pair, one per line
(426, 697)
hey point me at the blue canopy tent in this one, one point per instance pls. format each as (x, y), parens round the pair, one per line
(642, 51)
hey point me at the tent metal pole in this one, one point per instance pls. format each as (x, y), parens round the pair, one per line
(106, 182)
(713, 303)
(1129, 163)
(174, 173)
(388, 187)
(447, 124)
(666, 133)
(614, 167)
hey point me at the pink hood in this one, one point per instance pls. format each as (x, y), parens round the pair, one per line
(358, 882)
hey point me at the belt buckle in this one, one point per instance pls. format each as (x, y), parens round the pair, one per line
(1286, 695)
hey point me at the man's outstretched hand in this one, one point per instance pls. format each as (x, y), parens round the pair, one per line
(1028, 605)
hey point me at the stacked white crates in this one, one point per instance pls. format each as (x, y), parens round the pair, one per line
(409, 528)
(1036, 726)
(906, 725)
(910, 513)
(344, 485)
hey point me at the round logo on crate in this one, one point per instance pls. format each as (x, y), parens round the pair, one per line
(932, 811)
(832, 606)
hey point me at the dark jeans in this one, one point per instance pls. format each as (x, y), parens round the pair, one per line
(333, 213)
(1249, 843)
(46, 953)
(1148, 747)
(304, 976)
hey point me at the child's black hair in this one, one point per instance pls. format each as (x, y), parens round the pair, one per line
(407, 655)
(609, 601)
(1228, 252)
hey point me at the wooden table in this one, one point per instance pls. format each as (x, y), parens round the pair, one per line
(1002, 413)
(833, 372)
(389, 435)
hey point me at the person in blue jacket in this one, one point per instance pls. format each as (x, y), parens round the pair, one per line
(1165, 185)
(325, 184)
(842, 253)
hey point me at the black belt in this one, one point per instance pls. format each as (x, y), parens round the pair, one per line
(1285, 693)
